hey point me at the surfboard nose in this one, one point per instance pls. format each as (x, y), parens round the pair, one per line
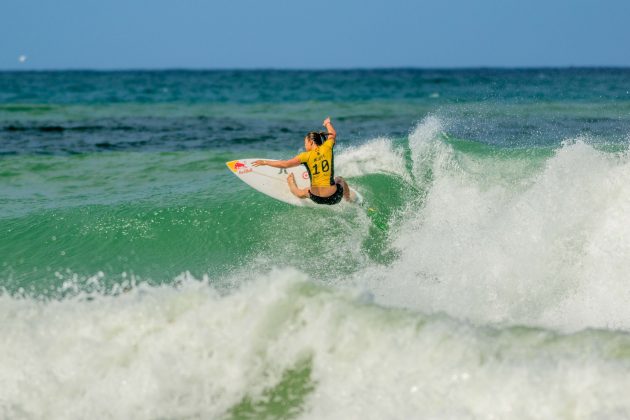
(232, 165)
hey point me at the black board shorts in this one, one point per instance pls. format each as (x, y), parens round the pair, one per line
(330, 200)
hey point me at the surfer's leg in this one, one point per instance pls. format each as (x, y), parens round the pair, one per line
(344, 184)
(300, 193)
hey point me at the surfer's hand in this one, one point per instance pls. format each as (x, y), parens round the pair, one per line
(259, 163)
(326, 122)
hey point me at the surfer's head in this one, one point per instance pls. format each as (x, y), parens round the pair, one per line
(314, 138)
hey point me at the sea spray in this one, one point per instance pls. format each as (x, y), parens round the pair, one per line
(375, 156)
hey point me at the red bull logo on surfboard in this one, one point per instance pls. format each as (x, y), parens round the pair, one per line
(239, 167)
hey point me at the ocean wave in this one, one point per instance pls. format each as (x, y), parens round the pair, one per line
(280, 346)
(535, 242)
(491, 235)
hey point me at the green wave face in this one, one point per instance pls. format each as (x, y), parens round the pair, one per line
(157, 215)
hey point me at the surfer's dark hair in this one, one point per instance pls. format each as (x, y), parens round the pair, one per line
(318, 137)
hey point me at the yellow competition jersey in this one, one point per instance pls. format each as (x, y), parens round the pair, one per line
(319, 164)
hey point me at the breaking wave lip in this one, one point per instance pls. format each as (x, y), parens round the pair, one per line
(545, 247)
(192, 351)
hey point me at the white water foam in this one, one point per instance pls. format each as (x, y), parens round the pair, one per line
(374, 156)
(550, 249)
(192, 353)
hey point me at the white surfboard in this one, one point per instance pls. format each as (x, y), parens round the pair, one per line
(273, 181)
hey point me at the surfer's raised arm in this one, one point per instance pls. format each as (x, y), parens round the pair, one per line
(332, 134)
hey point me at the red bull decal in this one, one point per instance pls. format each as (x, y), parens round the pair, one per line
(239, 167)
(305, 175)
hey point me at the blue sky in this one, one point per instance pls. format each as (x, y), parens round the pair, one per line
(147, 34)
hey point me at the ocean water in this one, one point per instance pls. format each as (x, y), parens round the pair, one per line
(485, 276)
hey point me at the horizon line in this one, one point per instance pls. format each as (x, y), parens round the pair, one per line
(299, 69)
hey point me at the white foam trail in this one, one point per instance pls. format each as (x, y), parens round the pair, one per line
(550, 249)
(375, 156)
(191, 353)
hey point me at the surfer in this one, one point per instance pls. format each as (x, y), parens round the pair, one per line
(318, 158)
